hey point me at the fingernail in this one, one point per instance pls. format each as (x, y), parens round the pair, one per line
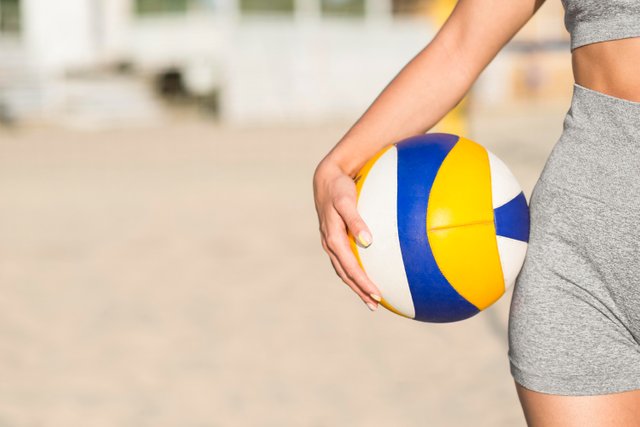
(364, 238)
(376, 297)
(371, 306)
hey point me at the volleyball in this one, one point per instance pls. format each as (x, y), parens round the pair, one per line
(450, 226)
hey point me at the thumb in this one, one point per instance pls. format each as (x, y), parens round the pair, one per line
(346, 208)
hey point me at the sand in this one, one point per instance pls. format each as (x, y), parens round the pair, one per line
(172, 276)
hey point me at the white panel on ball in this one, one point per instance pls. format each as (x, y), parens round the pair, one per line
(512, 253)
(382, 260)
(504, 186)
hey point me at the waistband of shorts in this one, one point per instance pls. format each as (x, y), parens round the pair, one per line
(598, 153)
(602, 103)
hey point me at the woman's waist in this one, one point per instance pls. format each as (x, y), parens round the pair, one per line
(598, 153)
(609, 68)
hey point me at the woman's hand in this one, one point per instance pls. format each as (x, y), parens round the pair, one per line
(411, 104)
(335, 200)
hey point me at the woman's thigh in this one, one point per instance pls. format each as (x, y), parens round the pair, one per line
(608, 410)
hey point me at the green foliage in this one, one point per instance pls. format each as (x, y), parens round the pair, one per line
(9, 16)
(267, 6)
(343, 7)
(145, 7)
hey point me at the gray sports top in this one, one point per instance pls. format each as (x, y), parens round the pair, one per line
(590, 21)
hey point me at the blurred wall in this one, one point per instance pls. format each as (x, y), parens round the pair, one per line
(261, 66)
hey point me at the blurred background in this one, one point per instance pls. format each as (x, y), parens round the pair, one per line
(160, 261)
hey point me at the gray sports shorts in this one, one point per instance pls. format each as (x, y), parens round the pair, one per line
(574, 324)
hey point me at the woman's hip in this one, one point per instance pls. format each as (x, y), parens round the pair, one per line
(598, 152)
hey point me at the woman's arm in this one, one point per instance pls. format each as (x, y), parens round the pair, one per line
(427, 88)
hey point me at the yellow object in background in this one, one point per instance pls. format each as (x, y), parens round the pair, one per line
(456, 121)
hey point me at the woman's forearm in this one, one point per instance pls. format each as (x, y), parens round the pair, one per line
(422, 93)
(435, 80)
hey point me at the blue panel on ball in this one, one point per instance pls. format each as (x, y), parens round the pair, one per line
(512, 219)
(419, 159)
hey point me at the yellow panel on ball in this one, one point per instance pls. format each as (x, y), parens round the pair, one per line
(461, 191)
(468, 258)
(460, 225)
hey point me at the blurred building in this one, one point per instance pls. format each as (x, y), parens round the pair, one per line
(246, 61)
(534, 67)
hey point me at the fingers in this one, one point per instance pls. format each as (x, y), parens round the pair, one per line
(336, 243)
(339, 246)
(335, 197)
(370, 302)
(346, 208)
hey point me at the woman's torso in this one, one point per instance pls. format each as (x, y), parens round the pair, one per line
(605, 45)
(611, 67)
(598, 155)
